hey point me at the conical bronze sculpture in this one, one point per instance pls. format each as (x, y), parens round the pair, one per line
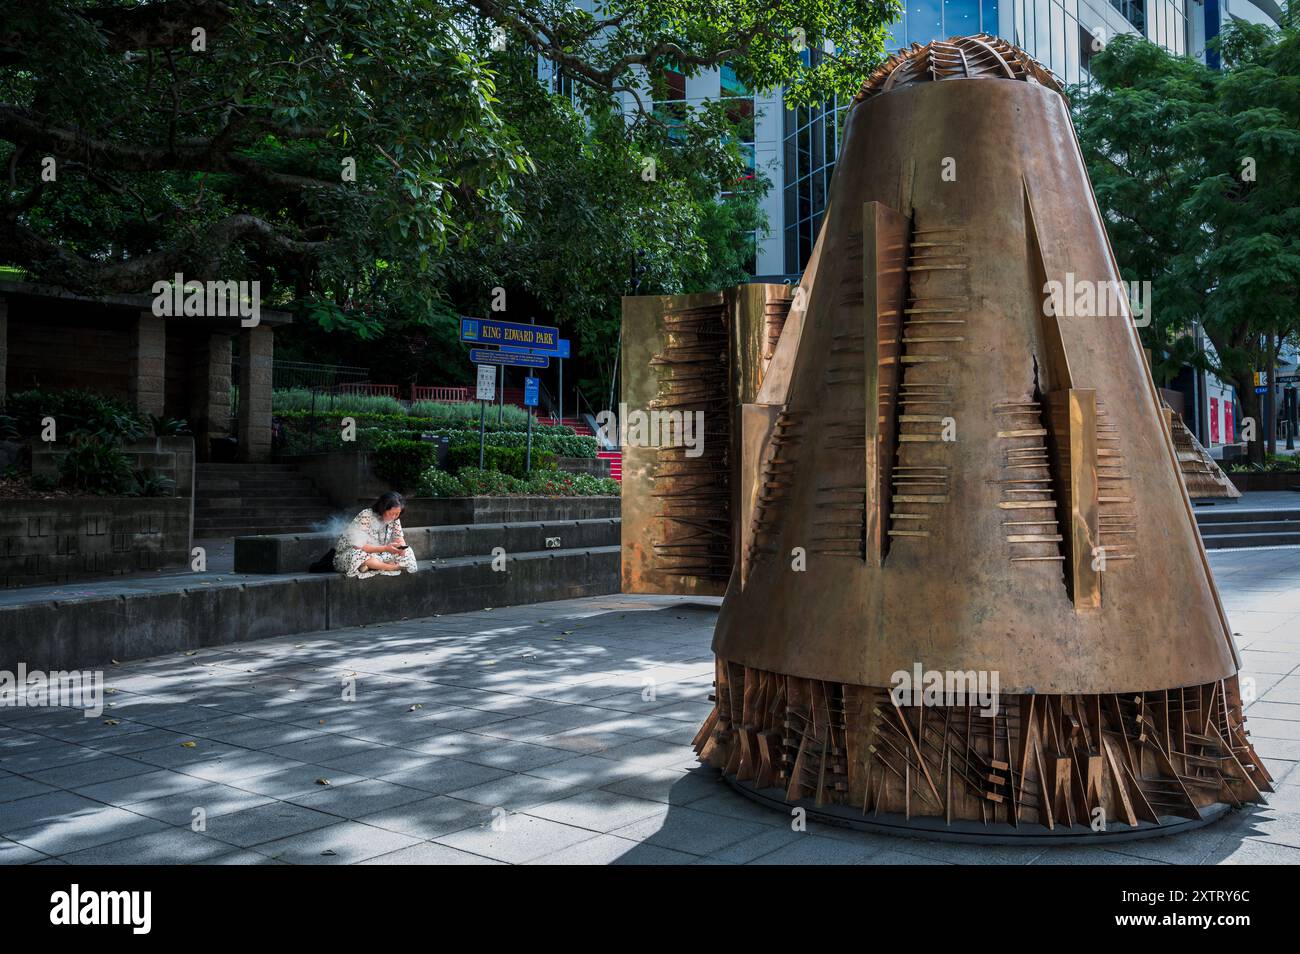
(954, 476)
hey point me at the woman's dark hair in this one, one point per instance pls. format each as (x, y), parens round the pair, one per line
(387, 502)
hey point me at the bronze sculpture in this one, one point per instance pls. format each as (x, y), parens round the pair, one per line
(944, 465)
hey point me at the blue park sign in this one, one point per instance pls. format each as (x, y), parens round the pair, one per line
(487, 331)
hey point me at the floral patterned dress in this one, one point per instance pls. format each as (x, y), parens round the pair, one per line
(367, 529)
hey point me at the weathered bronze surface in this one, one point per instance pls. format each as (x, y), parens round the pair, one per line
(988, 538)
(684, 354)
(946, 469)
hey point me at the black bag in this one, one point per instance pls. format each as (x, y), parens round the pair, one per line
(324, 565)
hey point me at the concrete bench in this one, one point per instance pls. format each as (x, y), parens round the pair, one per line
(295, 552)
(175, 613)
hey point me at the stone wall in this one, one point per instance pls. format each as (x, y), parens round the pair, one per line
(79, 538)
(595, 466)
(442, 511)
(295, 552)
(171, 457)
(85, 631)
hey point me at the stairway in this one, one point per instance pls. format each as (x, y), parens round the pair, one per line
(615, 459)
(1230, 528)
(580, 427)
(244, 499)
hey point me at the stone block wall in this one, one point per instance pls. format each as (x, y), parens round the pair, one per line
(80, 538)
(172, 457)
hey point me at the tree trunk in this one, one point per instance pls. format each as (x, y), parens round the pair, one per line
(1251, 410)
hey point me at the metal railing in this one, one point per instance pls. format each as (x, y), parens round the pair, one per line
(442, 395)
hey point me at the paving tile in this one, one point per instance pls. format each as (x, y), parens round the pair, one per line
(684, 829)
(810, 849)
(439, 776)
(517, 838)
(674, 788)
(48, 807)
(610, 850)
(167, 847)
(598, 810)
(14, 787)
(430, 853)
(517, 756)
(515, 793)
(12, 853)
(138, 788)
(1089, 855)
(364, 797)
(81, 828)
(272, 822)
(430, 817)
(295, 780)
(36, 753)
(344, 843)
(213, 799)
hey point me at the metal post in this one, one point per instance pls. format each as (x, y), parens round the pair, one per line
(528, 456)
(1289, 404)
(561, 360)
(482, 426)
(501, 392)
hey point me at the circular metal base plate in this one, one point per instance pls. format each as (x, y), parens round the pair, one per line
(1001, 833)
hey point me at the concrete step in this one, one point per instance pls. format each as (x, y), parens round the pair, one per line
(261, 506)
(185, 612)
(1230, 528)
(238, 468)
(1249, 526)
(1228, 516)
(293, 553)
(1237, 541)
(293, 485)
(244, 527)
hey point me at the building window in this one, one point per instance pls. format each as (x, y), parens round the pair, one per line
(1134, 11)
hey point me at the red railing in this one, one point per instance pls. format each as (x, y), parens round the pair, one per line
(377, 390)
(443, 395)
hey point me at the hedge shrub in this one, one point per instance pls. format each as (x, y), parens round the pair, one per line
(401, 462)
(75, 409)
(507, 460)
(472, 482)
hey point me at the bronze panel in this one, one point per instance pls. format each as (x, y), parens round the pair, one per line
(955, 596)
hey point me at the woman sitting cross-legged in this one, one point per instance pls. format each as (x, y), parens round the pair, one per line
(372, 543)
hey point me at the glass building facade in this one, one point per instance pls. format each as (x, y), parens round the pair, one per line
(1060, 34)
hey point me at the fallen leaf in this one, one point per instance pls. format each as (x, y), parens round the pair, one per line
(112, 722)
(189, 745)
(417, 705)
(322, 781)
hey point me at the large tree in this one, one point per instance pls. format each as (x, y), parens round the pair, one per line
(1197, 171)
(383, 163)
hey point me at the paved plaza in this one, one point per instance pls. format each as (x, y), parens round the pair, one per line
(556, 733)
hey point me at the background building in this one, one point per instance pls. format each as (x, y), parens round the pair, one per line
(795, 148)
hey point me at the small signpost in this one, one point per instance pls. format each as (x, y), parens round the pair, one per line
(530, 402)
(486, 392)
(515, 345)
